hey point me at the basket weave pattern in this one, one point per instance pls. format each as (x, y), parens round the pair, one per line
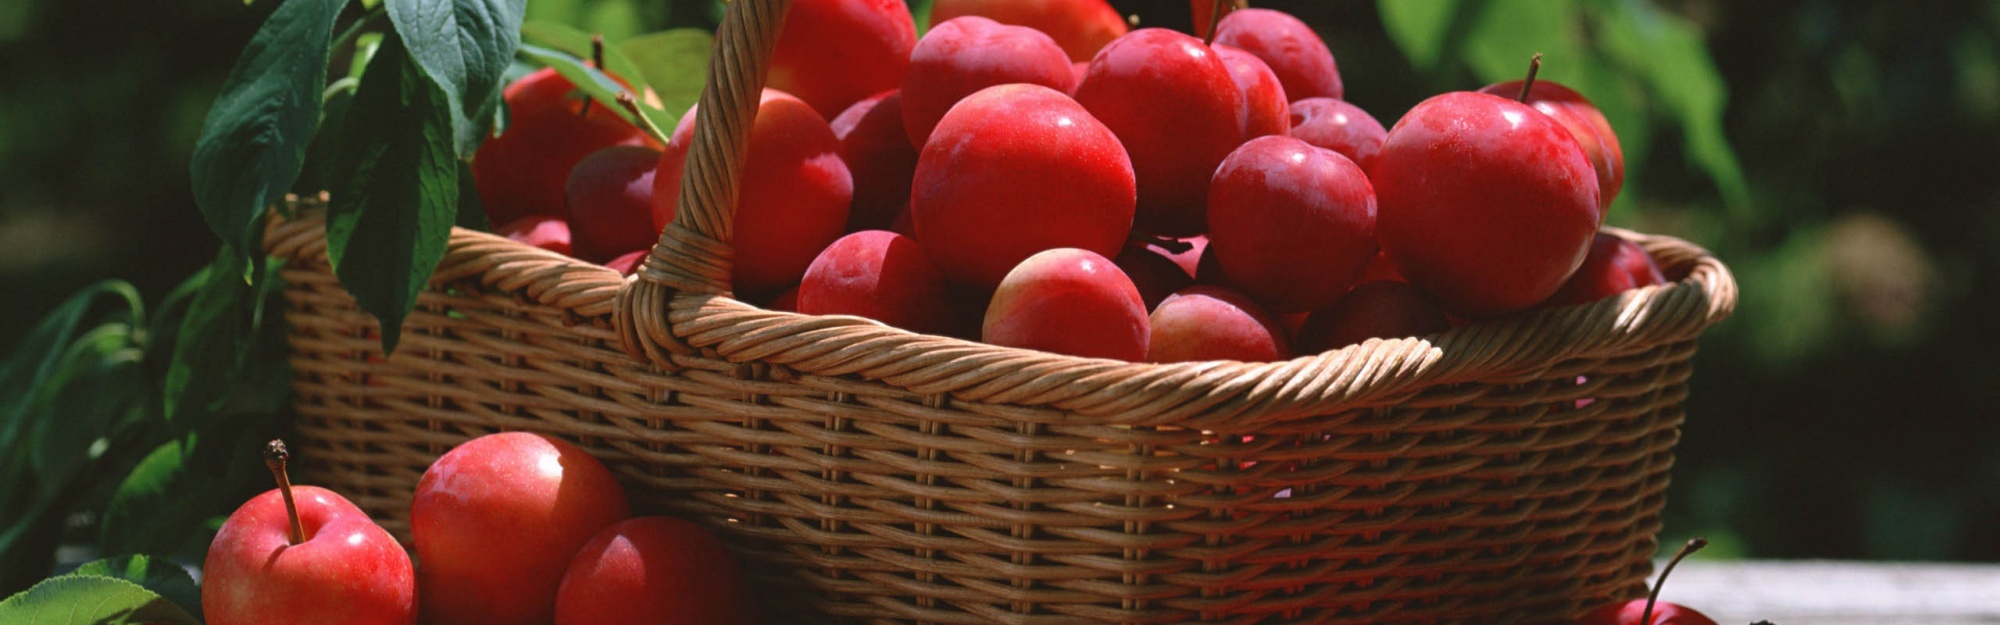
(1510, 471)
(1507, 496)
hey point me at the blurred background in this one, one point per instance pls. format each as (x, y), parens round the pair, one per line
(1842, 156)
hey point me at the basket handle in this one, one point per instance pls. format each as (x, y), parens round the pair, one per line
(694, 253)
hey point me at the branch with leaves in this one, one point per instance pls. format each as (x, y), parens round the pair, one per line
(391, 140)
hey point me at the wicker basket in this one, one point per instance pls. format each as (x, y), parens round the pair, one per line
(1504, 472)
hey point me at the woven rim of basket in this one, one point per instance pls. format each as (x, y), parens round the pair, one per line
(1086, 389)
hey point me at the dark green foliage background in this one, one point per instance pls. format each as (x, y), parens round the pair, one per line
(1850, 410)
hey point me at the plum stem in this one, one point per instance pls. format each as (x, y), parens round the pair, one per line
(275, 456)
(1693, 545)
(1534, 67)
(631, 104)
(597, 51)
(1214, 19)
(596, 57)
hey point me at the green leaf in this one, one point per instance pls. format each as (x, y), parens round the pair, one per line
(28, 539)
(365, 46)
(165, 504)
(142, 514)
(42, 482)
(1508, 32)
(38, 357)
(201, 358)
(617, 19)
(317, 174)
(516, 71)
(164, 329)
(920, 12)
(167, 579)
(597, 85)
(575, 42)
(675, 64)
(397, 190)
(554, 12)
(90, 600)
(1672, 57)
(98, 384)
(1622, 100)
(471, 213)
(263, 382)
(216, 334)
(1419, 28)
(242, 383)
(253, 142)
(463, 47)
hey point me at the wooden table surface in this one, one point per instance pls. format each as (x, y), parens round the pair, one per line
(1837, 592)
